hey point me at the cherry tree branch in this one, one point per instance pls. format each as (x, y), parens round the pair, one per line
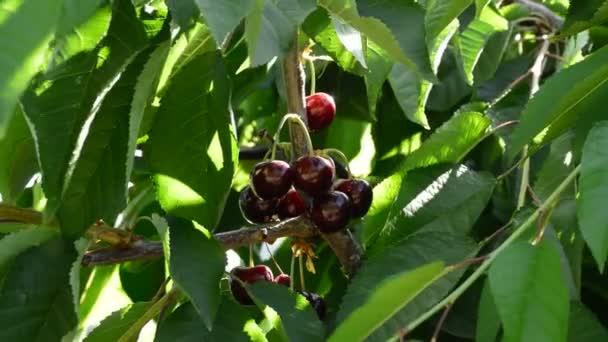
(140, 249)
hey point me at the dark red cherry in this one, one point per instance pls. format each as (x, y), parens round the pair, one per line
(249, 275)
(291, 205)
(271, 179)
(331, 212)
(255, 209)
(315, 301)
(360, 194)
(313, 174)
(320, 110)
(283, 279)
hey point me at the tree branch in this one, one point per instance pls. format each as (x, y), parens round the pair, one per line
(10, 213)
(147, 250)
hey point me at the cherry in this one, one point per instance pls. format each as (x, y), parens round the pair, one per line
(315, 301)
(321, 110)
(283, 279)
(255, 209)
(360, 194)
(291, 205)
(330, 212)
(271, 179)
(249, 275)
(313, 174)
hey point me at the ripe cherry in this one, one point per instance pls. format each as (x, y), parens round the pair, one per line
(283, 279)
(249, 275)
(331, 212)
(315, 301)
(291, 205)
(321, 110)
(360, 194)
(271, 179)
(255, 209)
(313, 174)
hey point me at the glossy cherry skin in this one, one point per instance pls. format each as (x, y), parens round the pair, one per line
(283, 279)
(316, 302)
(271, 179)
(291, 205)
(320, 110)
(249, 275)
(255, 209)
(313, 174)
(360, 194)
(331, 211)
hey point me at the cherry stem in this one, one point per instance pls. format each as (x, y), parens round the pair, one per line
(250, 255)
(313, 75)
(292, 269)
(297, 120)
(343, 158)
(302, 283)
(273, 259)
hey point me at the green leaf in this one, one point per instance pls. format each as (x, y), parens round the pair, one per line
(79, 137)
(593, 189)
(472, 41)
(529, 291)
(35, 298)
(436, 198)
(184, 12)
(298, 318)
(396, 27)
(198, 41)
(488, 321)
(563, 101)
(143, 94)
(386, 300)
(411, 91)
(15, 243)
(113, 327)
(22, 54)
(556, 167)
(585, 14)
(191, 246)
(414, 251)
(82, 24)
(198, 134)
(184, 324)
(80, 246)
(440, 13)
(319, 27)
(379, 66)
(584, 325)
(99, 277)
(351, 39)
(223, 16)
(480, 5)
(18, 155)
(268, 32)
(448, 144)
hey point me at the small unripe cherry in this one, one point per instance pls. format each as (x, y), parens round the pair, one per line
(320, 110)
(249, 275)
(271, 179)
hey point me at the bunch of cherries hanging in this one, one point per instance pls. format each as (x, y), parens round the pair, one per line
(307, 186)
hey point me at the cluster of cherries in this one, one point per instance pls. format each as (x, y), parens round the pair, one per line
(308, 186)
(251, 275)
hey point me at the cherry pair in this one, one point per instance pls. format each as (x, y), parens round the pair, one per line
(252, 275)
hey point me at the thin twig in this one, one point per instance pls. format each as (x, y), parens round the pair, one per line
(444, 315)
